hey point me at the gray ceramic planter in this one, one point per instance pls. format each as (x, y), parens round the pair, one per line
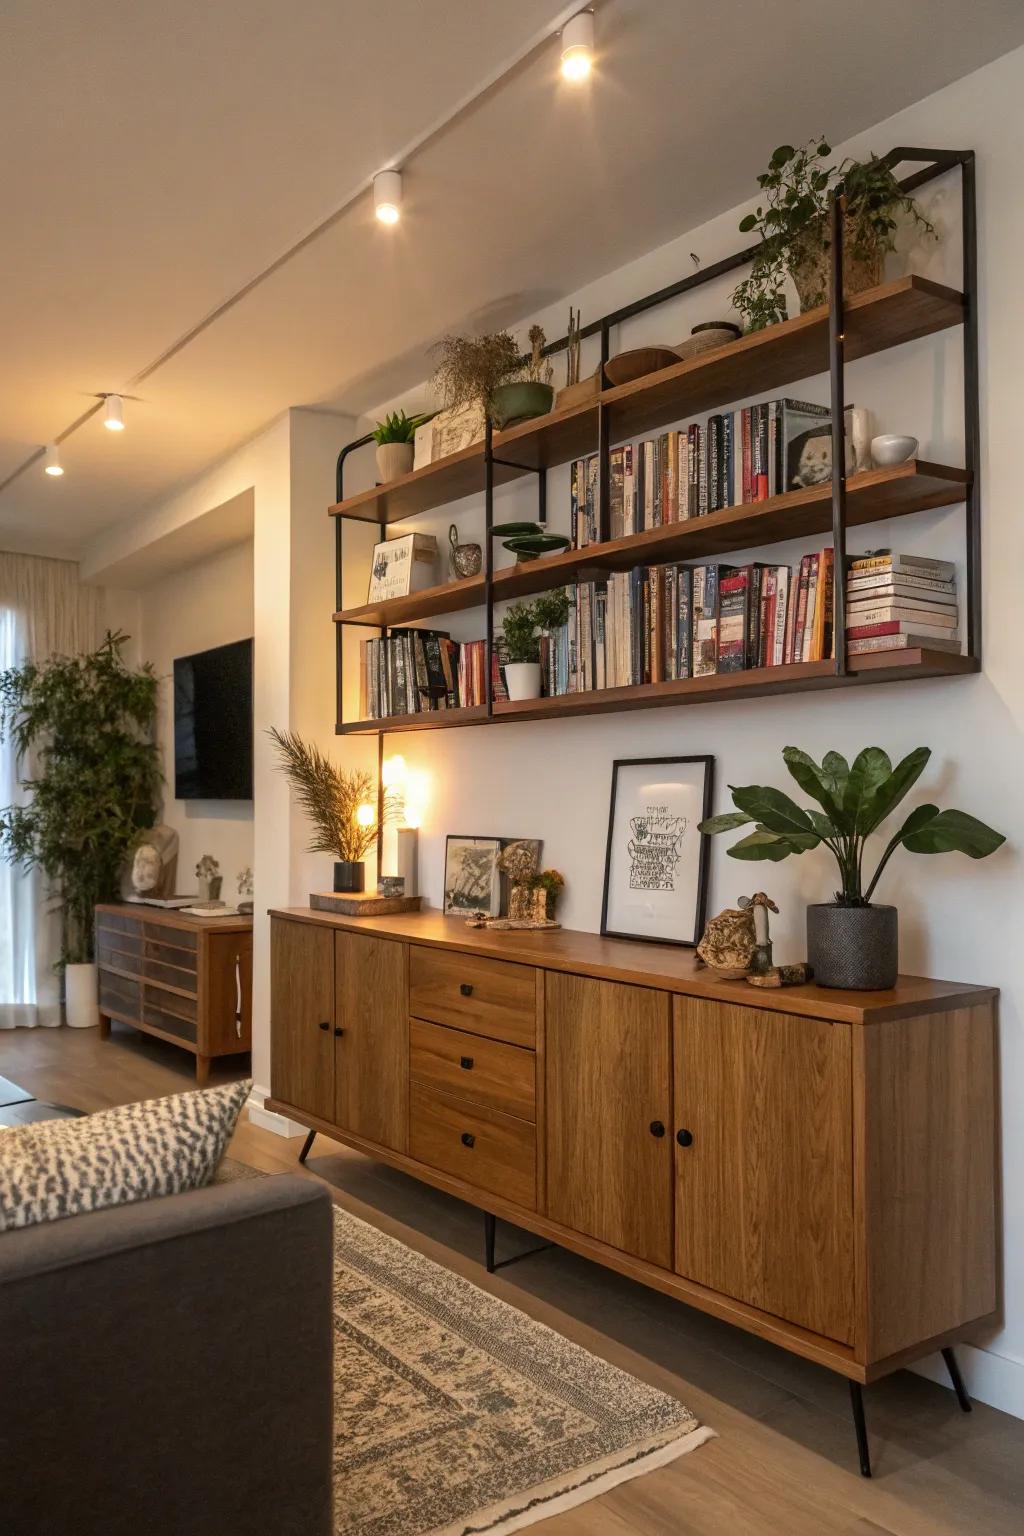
(854, 947)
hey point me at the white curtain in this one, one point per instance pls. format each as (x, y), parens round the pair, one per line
(44, 610)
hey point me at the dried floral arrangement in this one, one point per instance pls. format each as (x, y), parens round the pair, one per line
(331, 798)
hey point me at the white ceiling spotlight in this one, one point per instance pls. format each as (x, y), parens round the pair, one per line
(113, 413)
(387, 196)
(53, 466)
(578, 47)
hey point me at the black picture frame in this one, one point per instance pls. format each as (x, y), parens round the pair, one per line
(703, 856)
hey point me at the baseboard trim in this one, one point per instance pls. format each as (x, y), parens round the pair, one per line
(269, 1119)
(994, 1379)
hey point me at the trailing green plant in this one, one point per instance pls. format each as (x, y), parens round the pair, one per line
(854, 800)
(793, 220)
(89, 721)
(470, 368)
(331, 797)
(524, 623)
(397, 427)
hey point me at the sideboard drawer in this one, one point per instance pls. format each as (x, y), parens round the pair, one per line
(484, 1071)
(494, 1152)
(497, 998)
(119, 995)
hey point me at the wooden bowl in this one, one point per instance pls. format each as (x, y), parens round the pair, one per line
(628, 366)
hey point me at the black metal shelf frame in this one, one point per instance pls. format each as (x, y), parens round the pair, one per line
(934, 163)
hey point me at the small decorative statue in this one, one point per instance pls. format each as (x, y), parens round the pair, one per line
(465, 559)
(153, 871)
(209, 876)
(245, 890)
(736, 945)
(759, 905)
(519, 863)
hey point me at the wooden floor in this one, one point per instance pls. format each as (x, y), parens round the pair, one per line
(785, 1459)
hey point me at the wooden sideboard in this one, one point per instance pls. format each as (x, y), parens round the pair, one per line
(815, 1166)
(185, 979)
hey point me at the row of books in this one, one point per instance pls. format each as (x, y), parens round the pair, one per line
(418, 670)
(898, 601)
(734, 458)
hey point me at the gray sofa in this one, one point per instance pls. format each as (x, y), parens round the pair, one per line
(166, 1367)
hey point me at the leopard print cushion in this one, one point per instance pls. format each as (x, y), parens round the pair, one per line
(57, 1168)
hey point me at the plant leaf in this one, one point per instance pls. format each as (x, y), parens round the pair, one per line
(870, 768)
(762, 845)
(836, 770)
(724, 823)
(815, 782)
(778, 812)
(887, 795)
(950, 832)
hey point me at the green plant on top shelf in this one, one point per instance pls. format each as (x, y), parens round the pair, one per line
(397, 427)
(524, 623)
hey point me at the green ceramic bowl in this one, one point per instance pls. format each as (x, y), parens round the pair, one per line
(520, 402)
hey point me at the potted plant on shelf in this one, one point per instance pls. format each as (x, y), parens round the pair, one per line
(793, 224)
(522, 627)
(850, 942)
(341, 806)
(532, 393)
(94, 778)
(488, 372)
(394, 438)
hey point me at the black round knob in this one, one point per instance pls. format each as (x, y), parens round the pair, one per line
(324, 1025)
(468, 1138)
(657, 1129)
(466, 989)
(684, 1138)
(338, 1030)
(466, 1063)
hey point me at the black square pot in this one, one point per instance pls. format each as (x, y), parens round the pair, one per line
(853, 947)
(349, 876)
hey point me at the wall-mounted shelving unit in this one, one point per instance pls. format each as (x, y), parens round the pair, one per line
(818, 340)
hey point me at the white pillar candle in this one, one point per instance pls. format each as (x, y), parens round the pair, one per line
(406, 860)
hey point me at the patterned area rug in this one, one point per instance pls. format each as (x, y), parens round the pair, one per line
(457, 1415)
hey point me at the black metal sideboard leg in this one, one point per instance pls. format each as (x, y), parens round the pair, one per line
(857, 1404)
(953, 1367)
(306, 1146)
(489, 1226)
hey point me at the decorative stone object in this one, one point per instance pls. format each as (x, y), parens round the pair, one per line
(729, 941)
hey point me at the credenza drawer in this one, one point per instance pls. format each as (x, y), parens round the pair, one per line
(489, 1072)
(497, 998)
(491, 1151)
(118, 995)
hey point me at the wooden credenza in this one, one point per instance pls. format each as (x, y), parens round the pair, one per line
(185, 979)
(817, 1167)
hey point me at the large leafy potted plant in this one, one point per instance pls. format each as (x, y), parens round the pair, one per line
(850, 941)
(89, 721)
(522, 627)
(340, 804)
(793, 223)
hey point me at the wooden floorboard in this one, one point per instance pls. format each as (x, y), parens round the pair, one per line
(784, 1461)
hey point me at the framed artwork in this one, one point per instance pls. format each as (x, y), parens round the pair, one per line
(656, 864)
(472, 880)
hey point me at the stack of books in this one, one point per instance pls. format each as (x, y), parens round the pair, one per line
(418, 670)
(901, 602)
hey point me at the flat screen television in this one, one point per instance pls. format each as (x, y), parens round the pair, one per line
(213, 724)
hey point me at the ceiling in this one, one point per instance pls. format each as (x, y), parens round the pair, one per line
(159, 158)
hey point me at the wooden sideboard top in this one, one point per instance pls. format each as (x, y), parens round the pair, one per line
(652, 965)
(173, 917)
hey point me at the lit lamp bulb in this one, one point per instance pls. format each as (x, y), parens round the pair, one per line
(53, 466)
(578, 47)
(387, 196)
(365, 815)
(113, 413)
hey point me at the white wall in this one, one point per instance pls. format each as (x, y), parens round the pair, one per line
(203, 605)
(959, 920)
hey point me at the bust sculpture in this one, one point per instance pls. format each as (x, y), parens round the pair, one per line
(154, 868)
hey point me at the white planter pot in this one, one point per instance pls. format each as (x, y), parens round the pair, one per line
(81, 996)
(394, 459)
(523, 679)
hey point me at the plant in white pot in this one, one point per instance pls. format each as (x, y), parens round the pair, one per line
(522, 627)
(84, 728)
(851, 942)
(395, 446)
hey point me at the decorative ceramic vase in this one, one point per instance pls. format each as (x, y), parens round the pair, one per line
(809, 266)
(853, 947)
(349, 875)
(464, 559)
(520, 402)
(891, 448)
(394, 459)
(81, 996)
(522, 679)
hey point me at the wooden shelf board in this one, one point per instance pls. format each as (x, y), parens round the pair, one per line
(431, 720)
(875, 495)
(886, 316)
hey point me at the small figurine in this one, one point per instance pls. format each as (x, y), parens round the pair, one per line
(760, 905)
(209, 876)
(245, 890)
(464, 559)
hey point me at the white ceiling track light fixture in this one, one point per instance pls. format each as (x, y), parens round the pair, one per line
(578, 47)
(387, 196)
(53, 466)
(113, 413)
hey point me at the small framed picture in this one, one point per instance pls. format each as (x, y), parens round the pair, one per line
(656, 864)
(472, 880)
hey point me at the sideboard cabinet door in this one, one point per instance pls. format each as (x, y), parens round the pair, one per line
(302, 1016)
(372, 1048)
(763, 1146)
(609, 1142)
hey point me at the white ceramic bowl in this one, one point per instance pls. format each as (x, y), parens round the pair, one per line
(890, 448)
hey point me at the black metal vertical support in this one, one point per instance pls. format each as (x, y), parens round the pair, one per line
(380, 805)
(859, 1424)
(338, 628)
(972, 404)
(603, 510)
(837, 406)
(542, 497)
(953, 1367)
(489, 1230)
(488, 560)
